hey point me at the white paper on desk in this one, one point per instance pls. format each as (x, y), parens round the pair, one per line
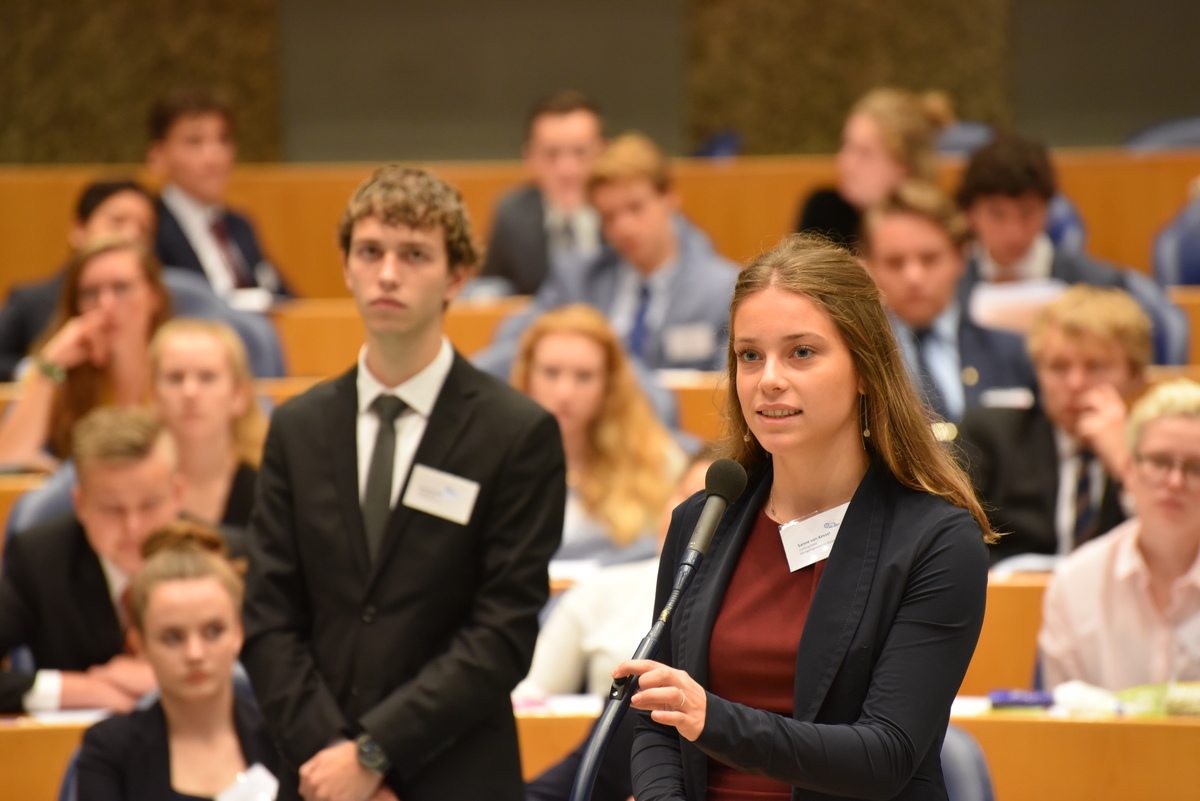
(254, 784)
(1013, 305)
(71, 717)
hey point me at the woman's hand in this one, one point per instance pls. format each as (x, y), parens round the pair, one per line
(80, 341)
(672, 696)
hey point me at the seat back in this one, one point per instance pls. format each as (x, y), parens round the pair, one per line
(1182, 132)
(1064, 225)
(965, 768)
(1177, 248)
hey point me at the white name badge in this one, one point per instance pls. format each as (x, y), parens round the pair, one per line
(694, 342)
(810, 540)
(255, 784)
(441, 494)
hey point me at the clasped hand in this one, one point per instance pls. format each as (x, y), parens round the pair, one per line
(335, 774)
(672, 697)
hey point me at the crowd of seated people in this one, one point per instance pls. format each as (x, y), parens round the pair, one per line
(1124, 608)
(159, 418)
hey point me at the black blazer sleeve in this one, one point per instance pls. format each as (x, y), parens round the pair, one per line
(486, 657)
(281, 663)
(102, 760)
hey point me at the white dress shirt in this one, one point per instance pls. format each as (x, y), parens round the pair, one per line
(585, 229)
(626, 299)
(1034, 265)
(1068, 478)
(419, 393)
(196, 219)
(941, 356)
(46, 693)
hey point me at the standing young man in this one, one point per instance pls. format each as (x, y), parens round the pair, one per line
(405, 518)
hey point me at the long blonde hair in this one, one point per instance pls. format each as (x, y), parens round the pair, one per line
(250, 427)
(631, 473)
(900, 424)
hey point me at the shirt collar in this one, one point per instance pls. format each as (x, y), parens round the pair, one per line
(183, 204)
(1065, 444)
(659, 280)
(1036, 263)
(419, 392)
(1128, 564)
(116, 579)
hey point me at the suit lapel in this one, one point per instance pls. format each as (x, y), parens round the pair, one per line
(342, 446)
(449, 419)
(99, 615)
(842, 593)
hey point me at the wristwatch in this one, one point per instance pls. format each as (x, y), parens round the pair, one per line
(370, 754)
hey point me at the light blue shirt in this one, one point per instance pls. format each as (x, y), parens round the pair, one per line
(941, 355)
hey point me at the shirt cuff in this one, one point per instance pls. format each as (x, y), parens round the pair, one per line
(46, 693)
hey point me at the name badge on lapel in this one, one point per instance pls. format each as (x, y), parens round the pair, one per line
(441, 494)
(809, 540)
(694, 342)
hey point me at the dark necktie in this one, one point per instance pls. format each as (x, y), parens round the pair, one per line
(1085, 511)
(637, 332)
(928, 384)
(229, 254)
(377, 500)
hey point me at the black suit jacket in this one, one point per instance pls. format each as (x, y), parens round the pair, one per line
(518, 248)
(421, 648)
(1013, 462)
(891, 630)
(24, 318)
(128, 758)
(54, 599)
(175, 250)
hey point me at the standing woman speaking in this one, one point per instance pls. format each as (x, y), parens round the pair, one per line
(831, 623)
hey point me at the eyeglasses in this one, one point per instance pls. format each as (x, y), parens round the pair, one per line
(1158, 467)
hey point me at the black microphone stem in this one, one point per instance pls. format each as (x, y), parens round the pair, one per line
(623, 689)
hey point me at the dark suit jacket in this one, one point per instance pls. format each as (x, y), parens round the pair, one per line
(827, 213)
(892, 627)
(127, 757)
(174, 250)
(1013, 462)
(518, 248)
(421, 648)
(54, 599)
(991, 359)
(24, 318)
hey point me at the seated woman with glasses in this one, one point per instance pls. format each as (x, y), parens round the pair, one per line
(1124, 608)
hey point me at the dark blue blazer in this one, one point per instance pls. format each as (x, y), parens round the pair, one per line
(991, 359)
(128, 758)
(891, 630)
(174, 250)
(1070, 268)
(24, 318)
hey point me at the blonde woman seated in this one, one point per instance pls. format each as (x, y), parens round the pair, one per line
(1124, 608)
(185, 613)
(113, 299)
(622, 464)
(204, 395)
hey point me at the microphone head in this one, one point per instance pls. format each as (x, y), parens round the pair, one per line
(726, 479)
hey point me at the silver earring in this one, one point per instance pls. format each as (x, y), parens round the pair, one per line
(862, 405)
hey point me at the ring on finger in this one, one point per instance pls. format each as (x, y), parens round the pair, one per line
(682, 700)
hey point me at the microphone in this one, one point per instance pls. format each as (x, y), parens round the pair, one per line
(723, 484)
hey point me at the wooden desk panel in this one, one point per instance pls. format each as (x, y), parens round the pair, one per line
(33, 757)
(1007, 651)
(1188, 299)
(322, 336)
(745, 204)
(13, 487)
(1080, 760)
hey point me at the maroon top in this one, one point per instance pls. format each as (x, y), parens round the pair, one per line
(752, 653)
